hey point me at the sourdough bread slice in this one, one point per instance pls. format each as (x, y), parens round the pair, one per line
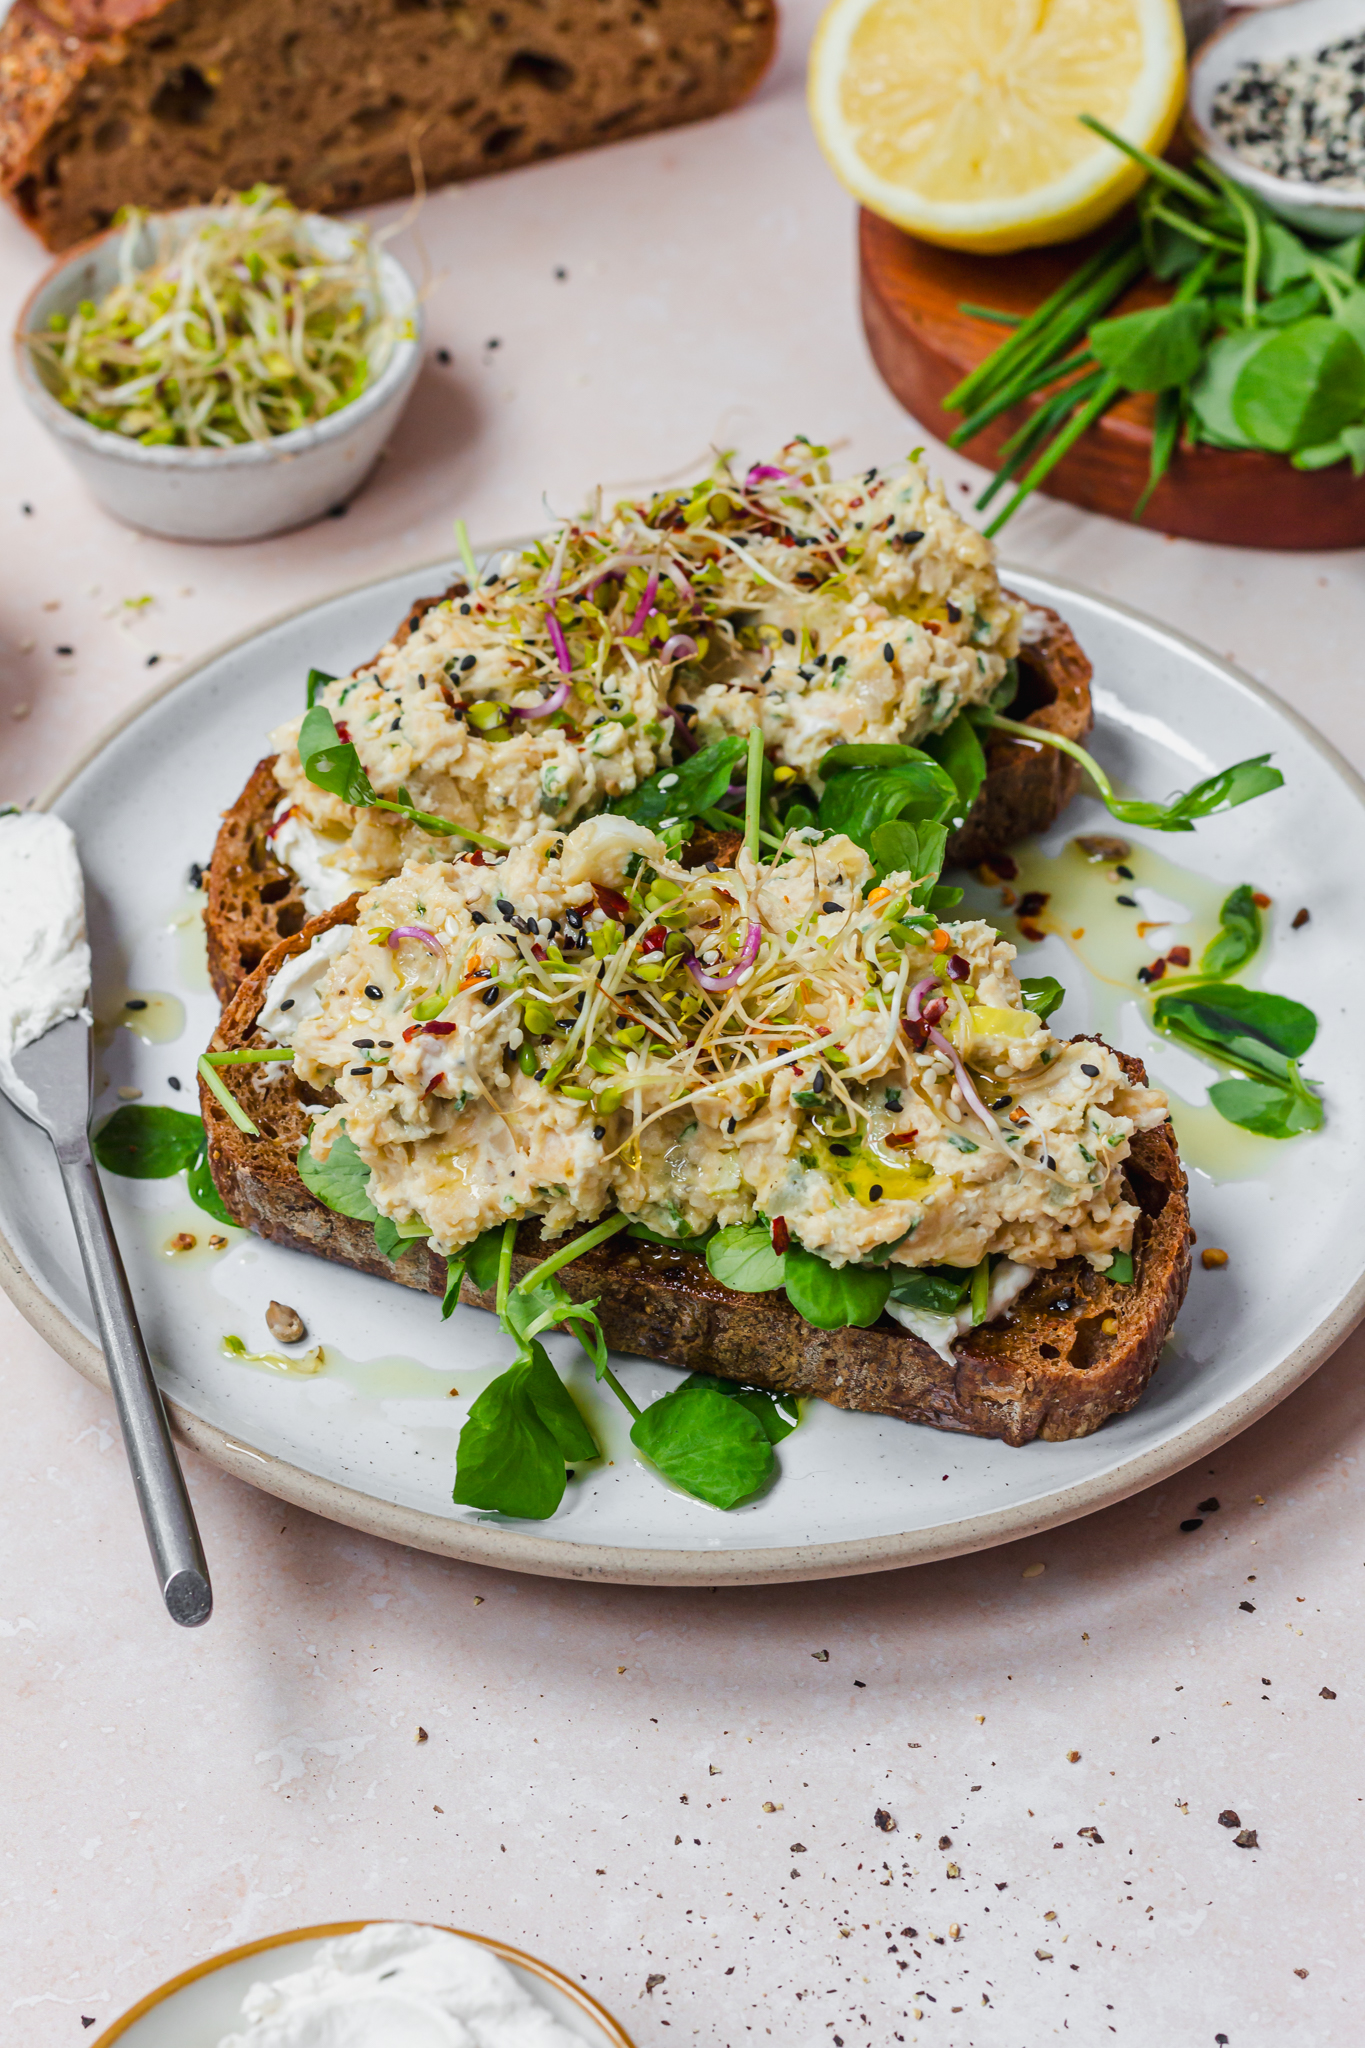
(161, 103)
(254, 901)
(1073, 1349)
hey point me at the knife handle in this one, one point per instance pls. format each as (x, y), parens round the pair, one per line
(167, 1516)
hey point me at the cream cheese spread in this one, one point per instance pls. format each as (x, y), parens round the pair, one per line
(298, 846)
(292, 994)
(44, 957)
(397, 1985)
(1008, 1281)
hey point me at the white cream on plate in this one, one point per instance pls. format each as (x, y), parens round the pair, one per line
(1008, 1279)
(398, 1985)
(44, 957)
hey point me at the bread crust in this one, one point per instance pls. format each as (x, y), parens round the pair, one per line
(254, 901)
(160, 103)
(1047, 1368)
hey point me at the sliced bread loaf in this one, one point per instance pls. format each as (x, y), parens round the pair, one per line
(160, 103)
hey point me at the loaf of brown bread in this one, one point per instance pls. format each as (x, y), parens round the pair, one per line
(1073, 1349)
(254, 900)
(160, 103)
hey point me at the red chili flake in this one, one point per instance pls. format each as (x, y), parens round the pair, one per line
(1261, 900)
(934, 1009)
(435, 1082)
(1001, 867)
(653, 940)
(958, 968)
(612, 902)
(917, 1031)
(272, 829)
(538, 953)
(451, 699)
(1033, 932)
(1156, 970)
(781, 1234)
(436, 1030)
(343, 732)
(898, 1140)
(475, 859)
(1032, 904)
(1179, 956)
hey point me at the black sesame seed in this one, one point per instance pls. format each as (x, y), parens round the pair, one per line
(832, 909)
(599, 1130)
(478, 917)
(841, 1151)
(731, 1126)
(466, 609)
(1127, 873)
(135, 1003)
(909, 539)
(66, 650)
(1002, 1102)
(1049, 1162)
(196, 875)
(888, 652)
(1128, 902)
(1093, 1072)
(820, 1082)
(575, 917)
(396, 723)
(470, 661)
(1195, 1522)
(787, 635)
(374, 992)
(541, 1072)
(490, 995)
(362, 1070)
(386, 1045)
(504, 907)
(337, 511)
(27, 511)
(363, 1044)
(171, 1082)
(288, 1003)
(874, 1193)
(443, 355)
(152, 660)
(954, 613)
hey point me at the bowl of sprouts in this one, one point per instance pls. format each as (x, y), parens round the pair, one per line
(222, 372)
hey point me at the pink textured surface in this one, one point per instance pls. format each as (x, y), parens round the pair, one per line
(168, 1795)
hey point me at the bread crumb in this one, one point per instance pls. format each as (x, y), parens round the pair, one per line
(1073, 1756)
(1033, 1571)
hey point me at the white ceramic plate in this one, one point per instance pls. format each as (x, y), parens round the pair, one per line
(371, 1440)
(196, 2009)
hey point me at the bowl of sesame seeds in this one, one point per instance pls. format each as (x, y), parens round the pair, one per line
(1277, 102)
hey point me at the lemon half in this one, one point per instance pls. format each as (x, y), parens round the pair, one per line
(958, 118)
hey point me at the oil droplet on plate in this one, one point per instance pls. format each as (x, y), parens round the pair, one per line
(151, 1014)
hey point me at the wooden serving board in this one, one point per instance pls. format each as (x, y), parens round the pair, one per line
(924, 345)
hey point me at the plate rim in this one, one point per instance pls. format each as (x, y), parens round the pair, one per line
(613, 2033)
(489, 1543)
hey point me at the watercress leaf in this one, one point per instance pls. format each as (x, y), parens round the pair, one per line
(1042, 994)
(1238, 936)
(1271, 1109)
(1210, 393)
(1301, 386)
(1169, 253)
(1325, 456)
(1120, 1269)
(776, 1414)
(482, 1257)
(694, 785)
(203, 1193)
(705, 1443)
(318, 680)
(1226, 1009)
(958, 749)
(797, 817)
(1349, 310)
(1284, 259)
(328, 762)
(1294, 304)
(831, 1297)
(742, 1258)
(144, 1141)
(450, 1301)
(509, 1459)
(861, 795)
(1353, 441)
(393, 1240)
(944, 898)
(935, 1290)
(1221, 792)
(1153, 349)
(557, 1410)
(340, 1181)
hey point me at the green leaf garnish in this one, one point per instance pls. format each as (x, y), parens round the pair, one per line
(1042, 994)
(707, 1443)
(1238, 936)
(831, 1297)
(521, 1432)
(742, 1258)
(341, 1181)
(144, 1141)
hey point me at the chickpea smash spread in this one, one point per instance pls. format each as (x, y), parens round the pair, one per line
(585, 1025)
(826, 612)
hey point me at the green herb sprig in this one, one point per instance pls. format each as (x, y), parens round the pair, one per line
(1261, 345)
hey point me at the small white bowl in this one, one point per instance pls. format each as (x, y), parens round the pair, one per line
(220, 494)
(1271, 33)
(197, 2008)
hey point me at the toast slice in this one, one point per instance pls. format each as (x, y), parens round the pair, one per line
(254, 900)
(1051, 1366)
